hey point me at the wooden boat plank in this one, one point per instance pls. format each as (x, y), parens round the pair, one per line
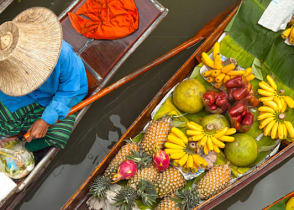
(77, 201)
(291, 194)
(103, 55)
(108, 52)
(4, 4)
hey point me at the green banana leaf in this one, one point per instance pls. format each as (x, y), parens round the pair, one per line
(268, 46)
(280, 205)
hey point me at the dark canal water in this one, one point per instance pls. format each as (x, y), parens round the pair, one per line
(109, 118)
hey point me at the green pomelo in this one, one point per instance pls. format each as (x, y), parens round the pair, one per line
(243, 151)
(187, 96)
(214, 122)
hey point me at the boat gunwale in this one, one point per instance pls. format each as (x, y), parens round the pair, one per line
(289, 195)
(41, 167)
(144, 117)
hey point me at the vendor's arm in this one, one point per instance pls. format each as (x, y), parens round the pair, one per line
(71, 90)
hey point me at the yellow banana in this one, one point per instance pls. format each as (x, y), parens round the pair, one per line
(217, 142)
(236, 73)
(248, 71)
(264, 122)
(250, 77)
(274, 130)
(216, 149)
(202, 160)
(278, 102)
(289, 101)
(207, 60)
(228, 68)
(227, 77)
(196, 138)
(266, 86)
(264, 115)
(271, 82)
(220, 78)
(183, 160)
(209, 143)
(176, 156)
(171, 151)
(290, 129)
(263, 99)
(215, 73)
(172, 146)
(284, 104)
(205, 149)
(291, 36)
(221, 132)
(194, 126)
(271, 104)
(217, 85)
(203, 141)
(285, 131)
(268, 128)
(218, 62)
(230, 131)
(210, 79)
(207, 73)
(281, 131)
(265, 92)
(179, 134)
(266, 109)
(193, 132)
(227, 138)
(175, 140)
(190, 161)
(197, 164)
(286, 33)
(216, 50)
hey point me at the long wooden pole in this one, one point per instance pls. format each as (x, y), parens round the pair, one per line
(201, 35)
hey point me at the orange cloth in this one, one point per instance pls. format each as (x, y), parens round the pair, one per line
(108, 19)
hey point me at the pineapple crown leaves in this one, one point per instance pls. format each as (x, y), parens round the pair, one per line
(186, 199)
(125, 199)
(147, 192)
(99, 186)
(141, 158)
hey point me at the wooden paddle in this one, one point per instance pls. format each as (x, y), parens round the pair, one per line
(201, 35)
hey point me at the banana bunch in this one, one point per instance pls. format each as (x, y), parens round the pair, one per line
(219, 74)
(288, 34)
(178, 148)
(210, 141)
(270, 91)
(272, 120)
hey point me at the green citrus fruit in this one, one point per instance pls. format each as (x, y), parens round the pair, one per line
(187, 96)
(290, 204)
(214, 122)
(243, 151)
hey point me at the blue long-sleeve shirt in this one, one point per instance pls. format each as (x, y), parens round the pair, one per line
(66, 86)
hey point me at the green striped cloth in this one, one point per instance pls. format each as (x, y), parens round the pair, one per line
(21, 120)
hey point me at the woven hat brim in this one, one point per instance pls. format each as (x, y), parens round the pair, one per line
(31, 61)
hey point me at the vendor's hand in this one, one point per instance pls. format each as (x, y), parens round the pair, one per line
(38, 130)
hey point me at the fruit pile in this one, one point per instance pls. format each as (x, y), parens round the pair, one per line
(156, 169)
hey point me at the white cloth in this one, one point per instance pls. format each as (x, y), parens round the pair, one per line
(7, 185)
(277, 15)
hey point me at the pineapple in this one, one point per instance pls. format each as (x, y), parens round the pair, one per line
(119, 158)
(155, 136)
(184, 199)
(150, 174)
(141, 158)
(99, 186)
(169, 181)
(145, 190)
(167, 204)
(215, 180)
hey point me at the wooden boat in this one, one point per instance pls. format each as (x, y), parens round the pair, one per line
(4, 4)
(78, 200)
(291, 194)
(102, 58)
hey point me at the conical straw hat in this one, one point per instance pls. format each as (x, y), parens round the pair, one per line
(29, 49)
